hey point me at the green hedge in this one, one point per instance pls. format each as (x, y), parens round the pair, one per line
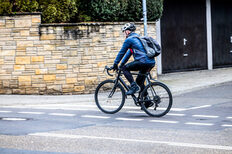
(57, 11)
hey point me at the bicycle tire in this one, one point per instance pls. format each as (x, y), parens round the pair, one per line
(161, 100)
(112, 104)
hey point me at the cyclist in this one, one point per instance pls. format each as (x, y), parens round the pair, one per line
(141, 63)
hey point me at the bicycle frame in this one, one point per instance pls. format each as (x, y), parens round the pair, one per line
(119, 79)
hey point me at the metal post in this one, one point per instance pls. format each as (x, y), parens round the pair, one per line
(209, 35)
(145, 17)
(158, 37)
(145, 23)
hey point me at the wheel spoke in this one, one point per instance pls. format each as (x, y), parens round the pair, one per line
(108, 97)
(160, 96)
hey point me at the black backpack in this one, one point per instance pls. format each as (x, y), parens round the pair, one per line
(151, 46)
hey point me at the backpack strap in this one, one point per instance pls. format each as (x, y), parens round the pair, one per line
(142, 43)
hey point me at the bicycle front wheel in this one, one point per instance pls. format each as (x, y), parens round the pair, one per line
(156, 99)
(108, 97)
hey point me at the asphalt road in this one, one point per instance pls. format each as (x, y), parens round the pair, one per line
(199, 122)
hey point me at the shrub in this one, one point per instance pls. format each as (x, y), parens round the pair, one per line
(84, 10)
(58, 10)
(5, 7)
(25, 6)
(154, 9)
(121, 10)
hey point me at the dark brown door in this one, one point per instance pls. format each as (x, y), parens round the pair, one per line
(221, 11)
(183, 35)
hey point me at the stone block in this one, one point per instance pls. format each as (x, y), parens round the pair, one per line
(70, 53)
(75, 60)
(102, 30)
(52, 61)
(31, 67)
(61, 66)
(24, 78)
(36, 19)
(24, 32)
(85, 70)
(90, 81)
(31, 91)
(24, 84)
(18, 91)
(49, 77)
(71, 80)
(2, 22)
(36, 78)
(33, 38)
(22, 60)
(24, 43)
(49, 47)
(5, 91)
(57, 88)
(71, 42)
(37, 58)
(6, 83)
(22, 23)
(19, 67)
(41, 71)
(96, 39)
(48, 37)
(83, 28)
(39, 85)
(12, 47)
(101, 64)
(79, 88)
(1, 61)
(67, 87)
(7, 52)
(116, 34)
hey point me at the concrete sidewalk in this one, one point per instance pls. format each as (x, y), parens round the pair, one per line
(178, 83)
(183, 82)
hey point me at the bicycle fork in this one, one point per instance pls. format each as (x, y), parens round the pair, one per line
(115, 85)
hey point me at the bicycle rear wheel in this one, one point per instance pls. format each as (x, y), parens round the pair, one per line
(157, 99)
(109, 99)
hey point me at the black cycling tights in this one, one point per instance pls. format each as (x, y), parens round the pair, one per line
(137, 66)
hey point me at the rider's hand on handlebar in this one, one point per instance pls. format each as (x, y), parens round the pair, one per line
(115, 67)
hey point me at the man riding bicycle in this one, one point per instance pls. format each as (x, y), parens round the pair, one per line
(141, 63)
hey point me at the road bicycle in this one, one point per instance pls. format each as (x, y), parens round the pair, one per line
(110, 95)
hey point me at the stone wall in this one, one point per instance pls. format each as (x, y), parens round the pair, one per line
(40, 58)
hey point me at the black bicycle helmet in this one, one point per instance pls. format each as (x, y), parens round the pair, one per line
(129, 26)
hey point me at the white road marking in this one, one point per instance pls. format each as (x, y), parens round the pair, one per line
(52, 107)
(199, 107)
(176, 114)
(5, 111)
(228, 117)
(165, 121)
(93, 116)
(176, 109)
(205, 116)
(140, 112)
(178, 144)
(62, 114)
(128, 119)
(199, 124)
(226, 125)
(14, 119)
(172, 109)
(31, 112)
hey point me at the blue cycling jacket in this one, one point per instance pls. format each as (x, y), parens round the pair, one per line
(133, 46)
